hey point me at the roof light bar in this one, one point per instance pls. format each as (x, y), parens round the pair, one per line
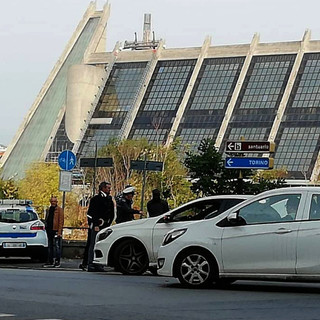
(15, 201)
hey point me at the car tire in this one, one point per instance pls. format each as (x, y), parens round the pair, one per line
(196, 269)
(131, 258)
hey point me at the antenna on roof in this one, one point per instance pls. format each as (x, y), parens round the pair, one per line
(146, 43)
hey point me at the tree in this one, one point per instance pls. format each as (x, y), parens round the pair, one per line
(209, 175)
(9, 189)
(40, 183)
(171, 181)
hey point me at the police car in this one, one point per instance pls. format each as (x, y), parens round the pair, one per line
(22, 233)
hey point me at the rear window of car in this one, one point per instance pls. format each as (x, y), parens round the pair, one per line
(17, 215)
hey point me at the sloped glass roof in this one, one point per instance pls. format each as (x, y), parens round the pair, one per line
(35, 136)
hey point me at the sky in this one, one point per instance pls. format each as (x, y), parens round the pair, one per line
(33, 34)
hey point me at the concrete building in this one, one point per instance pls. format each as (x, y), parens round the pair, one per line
(259, 91)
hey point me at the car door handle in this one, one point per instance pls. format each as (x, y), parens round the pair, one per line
(283, 230)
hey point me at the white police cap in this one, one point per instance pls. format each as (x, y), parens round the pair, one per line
(128, 190)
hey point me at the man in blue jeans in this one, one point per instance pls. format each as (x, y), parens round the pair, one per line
(54, 221)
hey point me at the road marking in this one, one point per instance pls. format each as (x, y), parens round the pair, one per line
(3, 315)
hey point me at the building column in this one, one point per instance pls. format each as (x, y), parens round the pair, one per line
(128, 122)
(290, 83)
(236, 91)
(193, 78)
(98, 42)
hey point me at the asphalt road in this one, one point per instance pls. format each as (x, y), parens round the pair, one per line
(69, 294)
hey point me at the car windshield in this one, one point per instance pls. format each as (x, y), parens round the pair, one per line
(17, 215)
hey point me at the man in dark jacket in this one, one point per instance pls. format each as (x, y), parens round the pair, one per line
(100, 215)
(124, 203)
(156, 205)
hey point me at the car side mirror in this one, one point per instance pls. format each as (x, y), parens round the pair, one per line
(232, 217)
(167, 218)
(235, 220)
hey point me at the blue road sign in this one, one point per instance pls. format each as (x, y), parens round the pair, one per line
(248, 163)
(67, 160)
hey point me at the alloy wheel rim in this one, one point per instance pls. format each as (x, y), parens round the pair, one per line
(132, 258)
(195, 269)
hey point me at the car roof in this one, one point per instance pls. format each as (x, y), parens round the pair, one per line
(221, 196)
(290, 190)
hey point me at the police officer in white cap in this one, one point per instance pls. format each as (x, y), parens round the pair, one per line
(124, 206)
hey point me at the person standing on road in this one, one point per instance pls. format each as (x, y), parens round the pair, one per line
(156, 205)
(54, 221)
(84, 263)
(124, 206)
(100, 215)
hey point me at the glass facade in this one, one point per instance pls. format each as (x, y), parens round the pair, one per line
(162, 99)
(115, 102)
(36, 134)
(61, 142)
(259, 98)
(298, 138)
(209, 99)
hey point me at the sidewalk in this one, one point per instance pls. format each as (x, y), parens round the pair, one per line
(24, 263)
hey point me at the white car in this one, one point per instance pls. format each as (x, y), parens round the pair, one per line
(272, 236)
(22, 233)
(132, 247)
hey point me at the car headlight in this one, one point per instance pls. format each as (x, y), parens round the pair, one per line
(104, 235)
(173, 235)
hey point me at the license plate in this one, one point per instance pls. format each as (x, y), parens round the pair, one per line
(14, 245)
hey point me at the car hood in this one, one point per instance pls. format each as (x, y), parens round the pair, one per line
(129, 224)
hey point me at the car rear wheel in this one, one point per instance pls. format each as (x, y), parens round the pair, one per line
(131, 258)
(195, 269)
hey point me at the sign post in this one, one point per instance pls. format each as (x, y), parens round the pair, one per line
(248, 163)
(144, 165)
(94, 163)
(249, 146)
(67, 161)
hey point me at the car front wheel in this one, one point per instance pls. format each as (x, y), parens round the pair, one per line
(195, 269)
(131, 258)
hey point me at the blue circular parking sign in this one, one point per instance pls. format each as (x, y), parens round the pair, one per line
(67, 160)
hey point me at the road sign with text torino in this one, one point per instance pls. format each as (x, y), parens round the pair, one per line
(250, 146)
(248, 163)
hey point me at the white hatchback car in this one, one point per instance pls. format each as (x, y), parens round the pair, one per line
(272, 236)
(22, 233)
(132, 247)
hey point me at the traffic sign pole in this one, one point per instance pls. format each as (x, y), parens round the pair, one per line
(144, 165)
(143, 182)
